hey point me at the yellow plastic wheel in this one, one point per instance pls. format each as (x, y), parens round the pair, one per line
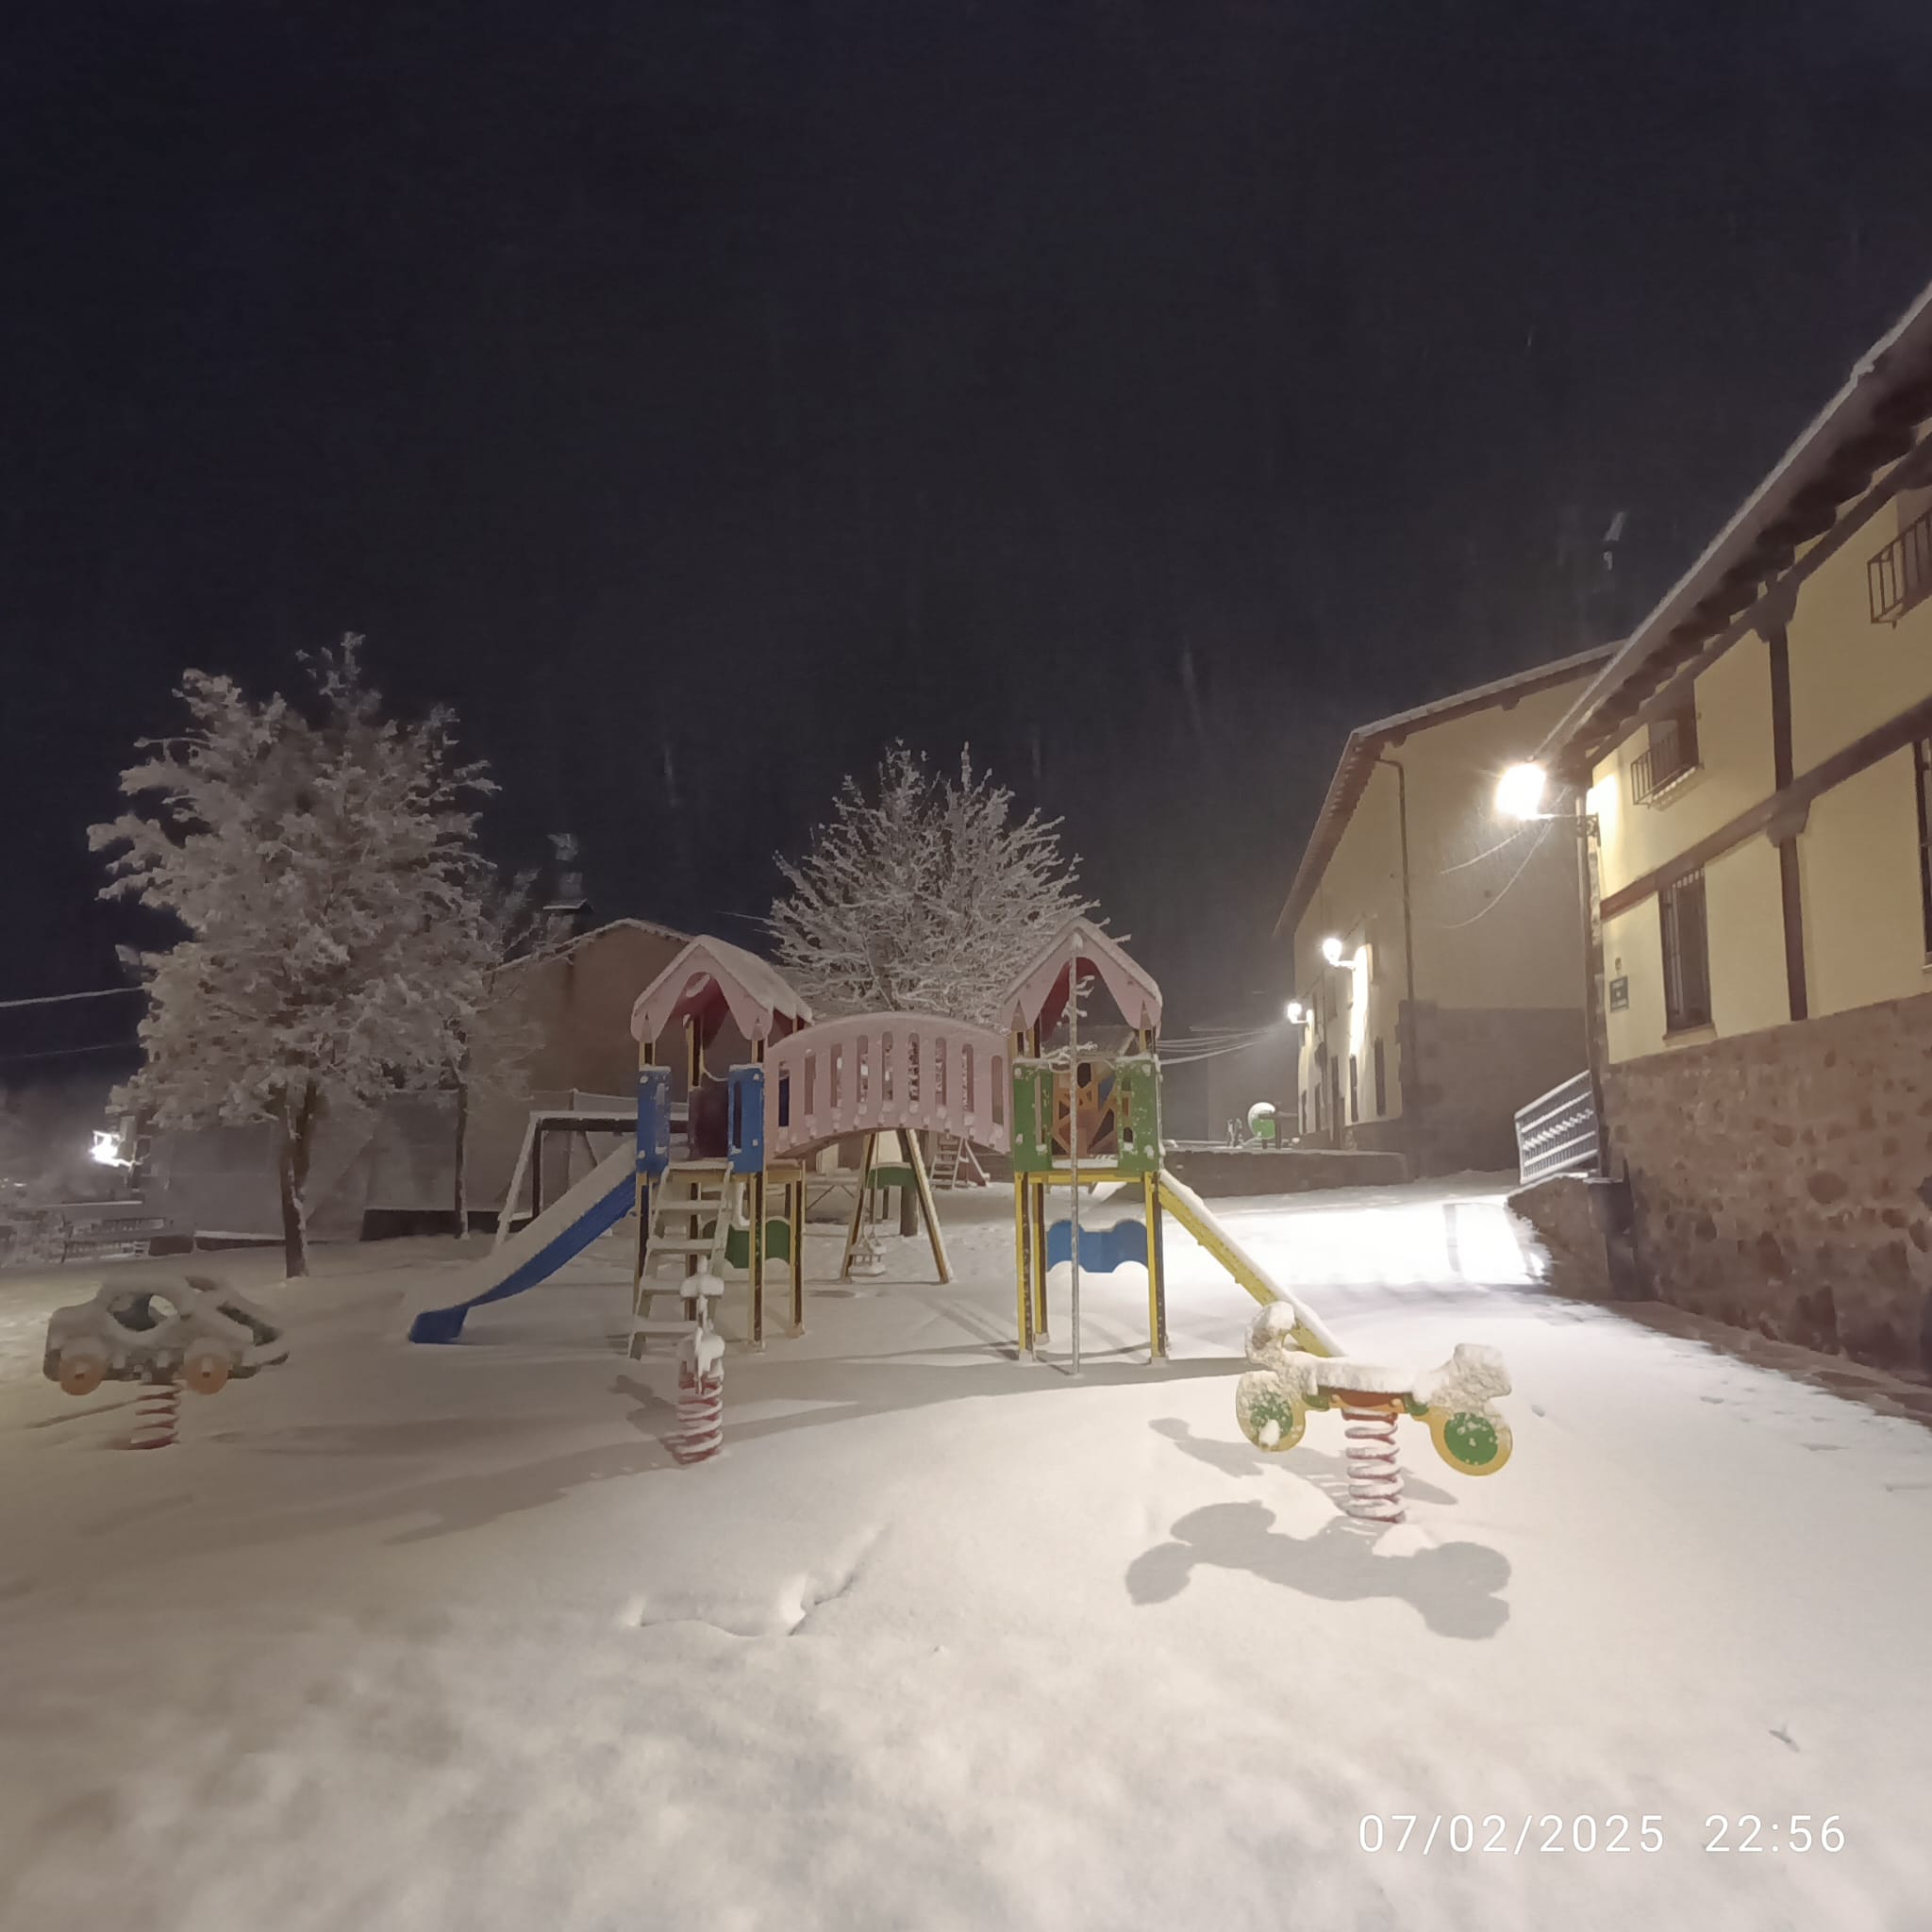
(1272, 1417)
(1466, 1439)
(81, 1374)
(204, 1371)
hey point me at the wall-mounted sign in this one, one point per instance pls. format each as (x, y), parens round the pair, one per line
(1620, 995)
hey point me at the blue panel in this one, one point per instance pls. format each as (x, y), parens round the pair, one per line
(1102, 1249)
(747, 1143)
(654, 1121)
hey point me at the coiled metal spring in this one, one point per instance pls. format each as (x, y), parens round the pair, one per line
(1374, 1475)
(157, 1416)
(700, 1416)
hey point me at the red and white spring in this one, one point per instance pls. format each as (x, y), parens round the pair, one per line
(157, 1416)
(1374, 1475)
(700, 1416)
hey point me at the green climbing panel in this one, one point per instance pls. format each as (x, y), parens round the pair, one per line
(1136, 1114)
(777, 1244)
(1032, 1117)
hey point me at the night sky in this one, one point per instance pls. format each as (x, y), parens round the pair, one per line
(697, 396)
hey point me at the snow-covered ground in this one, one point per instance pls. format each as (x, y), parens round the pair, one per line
(418, 1637)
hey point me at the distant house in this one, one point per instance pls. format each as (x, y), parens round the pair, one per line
(392, 1168)
(1759, 758)
(1436, 960)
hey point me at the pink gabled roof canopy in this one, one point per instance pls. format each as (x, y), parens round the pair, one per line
(1039, 996)
(710, 978)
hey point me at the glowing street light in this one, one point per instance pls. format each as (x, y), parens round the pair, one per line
(1331, 950)
(106, 1148)
(1520, 791)
(1296, 1013)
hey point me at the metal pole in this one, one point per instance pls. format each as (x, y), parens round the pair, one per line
(1396, 766)
(1073, 1136)
(1596, 1043)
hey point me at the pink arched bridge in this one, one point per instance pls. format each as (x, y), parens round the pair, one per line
(877, 1070)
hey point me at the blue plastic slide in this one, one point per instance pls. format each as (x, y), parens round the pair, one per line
(536, 1252)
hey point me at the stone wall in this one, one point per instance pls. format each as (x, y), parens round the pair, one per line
(1573, 1221)
(1222, 1173)
(1782, 1180)
(1467, 1070)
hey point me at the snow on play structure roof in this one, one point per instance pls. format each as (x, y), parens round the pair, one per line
(1039, 996)
(710, 974)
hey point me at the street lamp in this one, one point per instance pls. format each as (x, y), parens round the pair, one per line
(1331, 949)
(1520, 792)
(1295, 1012)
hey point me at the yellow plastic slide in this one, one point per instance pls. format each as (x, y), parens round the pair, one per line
(1178, 1199)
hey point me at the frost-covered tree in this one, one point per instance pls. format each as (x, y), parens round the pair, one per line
(486, 1035)
(319, 856)
(924, 894)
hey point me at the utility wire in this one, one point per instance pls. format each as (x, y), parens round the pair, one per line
(1464, 864)
(1456, 924)
(61, 1052)
(55, 999)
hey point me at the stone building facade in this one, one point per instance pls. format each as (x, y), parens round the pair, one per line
(1782, 1180)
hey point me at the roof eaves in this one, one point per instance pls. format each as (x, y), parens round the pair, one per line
(1789, 506)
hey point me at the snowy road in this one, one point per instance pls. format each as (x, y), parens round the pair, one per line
(442, 1638)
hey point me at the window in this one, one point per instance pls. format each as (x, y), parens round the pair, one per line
(1302, 1096)
(1355, 1090)
(1687, 954)
(1335, 1095)
(1673, 755)
(1381, 1081)
(1922, 784)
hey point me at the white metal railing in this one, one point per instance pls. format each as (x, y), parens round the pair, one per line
(1557, 1133)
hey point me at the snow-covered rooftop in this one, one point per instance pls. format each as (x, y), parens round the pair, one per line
(762, 1001)
(1039, 994)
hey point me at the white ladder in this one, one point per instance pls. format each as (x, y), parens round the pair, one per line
(955, 1164)
(693, 1190)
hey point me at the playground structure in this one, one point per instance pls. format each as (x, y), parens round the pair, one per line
(1071, 1112)
(1081, 1115)
(807, 1084)
(732, 1199)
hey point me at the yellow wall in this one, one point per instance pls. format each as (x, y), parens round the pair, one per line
(1858, 864)
(1848, 673)
(1857, 855)
(1497, 920)
(1498, 912)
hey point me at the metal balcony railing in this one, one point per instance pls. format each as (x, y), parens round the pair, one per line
(1557, 1133)
(1673, 755)
(1900, 573)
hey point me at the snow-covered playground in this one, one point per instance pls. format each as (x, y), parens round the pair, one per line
(403, 1637)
